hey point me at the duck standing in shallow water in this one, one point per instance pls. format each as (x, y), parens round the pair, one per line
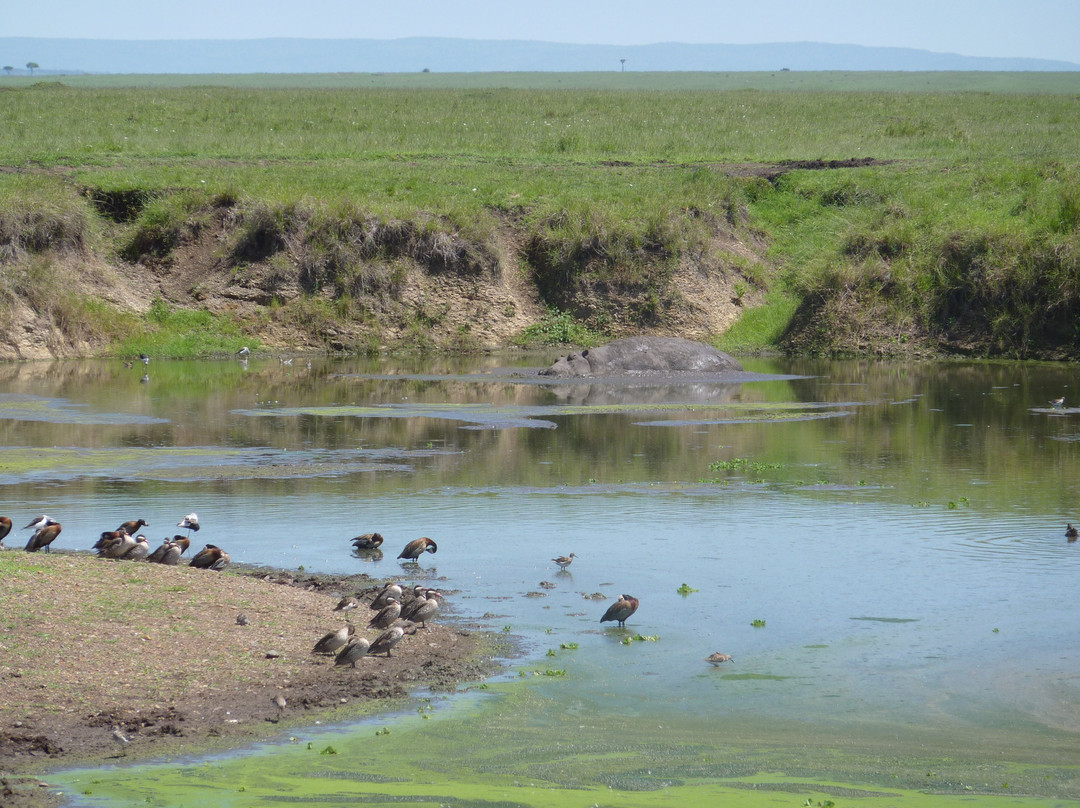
(417, 547)
(211, 557)
(369, 541)
(621, 609)
(564, 561)
(1071, 533)
(47, 529)
(5, 528)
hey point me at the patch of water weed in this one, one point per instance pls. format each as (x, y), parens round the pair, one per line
(685, 590)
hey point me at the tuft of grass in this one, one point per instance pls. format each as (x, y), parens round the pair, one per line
(559, 328)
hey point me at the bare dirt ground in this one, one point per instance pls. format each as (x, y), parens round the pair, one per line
(157, 652)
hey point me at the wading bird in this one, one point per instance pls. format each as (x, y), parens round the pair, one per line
(1057, 403)
(189, 523)
(564, 561)
(417, 547)
(621, 609)
(719, 659)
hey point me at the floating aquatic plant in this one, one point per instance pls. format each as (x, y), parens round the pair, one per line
(685, 589)
(569, 646)
(758, 623)
(640, 638)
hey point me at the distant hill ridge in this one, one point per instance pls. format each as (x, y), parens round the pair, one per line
(471, 55)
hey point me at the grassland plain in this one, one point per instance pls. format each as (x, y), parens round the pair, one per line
(826, 213)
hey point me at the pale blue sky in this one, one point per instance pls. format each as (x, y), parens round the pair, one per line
(1033, 28)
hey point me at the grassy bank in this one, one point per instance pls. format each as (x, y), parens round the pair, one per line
(952, 225)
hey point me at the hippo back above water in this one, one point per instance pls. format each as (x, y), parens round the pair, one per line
(644, 356)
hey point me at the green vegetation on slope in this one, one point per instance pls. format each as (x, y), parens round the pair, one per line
(960, 235)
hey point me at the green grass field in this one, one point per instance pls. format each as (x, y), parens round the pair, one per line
(967, 224)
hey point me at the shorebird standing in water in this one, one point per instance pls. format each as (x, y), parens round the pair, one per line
(189, 523)
(621, 609)
(719, 659)
(1057, 403)
(564, 561)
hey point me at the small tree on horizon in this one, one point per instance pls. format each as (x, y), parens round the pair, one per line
(32, 66)
(8, 69)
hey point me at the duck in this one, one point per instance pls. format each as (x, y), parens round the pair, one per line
(170, 551)
(368, 541)
(1071, 533)
(1057, 403)
(423, 608)
(244, 352)
(114, 544)
(211, 557)
(131, 527)
(347, 604)
(389, 638)
(189, 523)
(140, 551)
(621, 609)
(5, 528)
(564, 561)
(386, 615)
(389, 591)
(417, 547)
(45, 534)
(719, 659)
(144, 359)
(353, 652)
(333, 640)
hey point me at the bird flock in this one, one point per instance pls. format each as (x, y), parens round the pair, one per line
(398, 612)
(126, 543)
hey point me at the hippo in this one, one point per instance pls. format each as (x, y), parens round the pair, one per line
(644, 356)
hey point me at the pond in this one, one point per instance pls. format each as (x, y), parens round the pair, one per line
(880, 546)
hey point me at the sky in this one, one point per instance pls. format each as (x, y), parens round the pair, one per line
(1047, 29)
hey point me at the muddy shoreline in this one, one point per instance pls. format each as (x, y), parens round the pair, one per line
(190, 676)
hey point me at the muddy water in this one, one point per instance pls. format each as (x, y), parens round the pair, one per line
(880, 547)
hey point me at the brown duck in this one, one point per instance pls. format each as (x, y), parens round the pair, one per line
(621, 609)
